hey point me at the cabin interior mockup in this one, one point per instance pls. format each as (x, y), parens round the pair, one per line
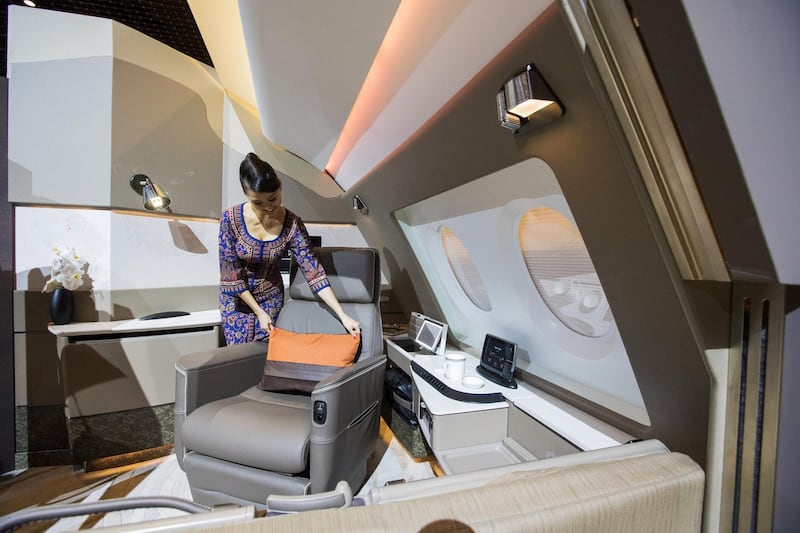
(568, 229)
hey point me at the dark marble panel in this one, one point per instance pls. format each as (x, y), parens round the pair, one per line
(40, 428)
(41, 436)
(44, 437)
(105, 435)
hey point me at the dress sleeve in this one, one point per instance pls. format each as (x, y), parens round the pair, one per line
(232, 277)
(306, 258)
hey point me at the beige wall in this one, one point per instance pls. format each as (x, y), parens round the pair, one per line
(96, 102)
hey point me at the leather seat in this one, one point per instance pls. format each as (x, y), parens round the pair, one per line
(239, 444)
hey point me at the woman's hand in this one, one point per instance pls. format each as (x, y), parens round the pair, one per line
(264, 320)
(351, 325)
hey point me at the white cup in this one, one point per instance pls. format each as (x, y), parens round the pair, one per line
(454, 365)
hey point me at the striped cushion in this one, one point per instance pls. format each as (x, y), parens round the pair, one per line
(296, 362)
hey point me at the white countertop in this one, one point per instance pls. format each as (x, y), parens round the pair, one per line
(192, 320)
(572, 429)
(438, 403)
(525, 397)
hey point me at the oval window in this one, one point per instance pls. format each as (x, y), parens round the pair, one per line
(464, 269)
(563, 273)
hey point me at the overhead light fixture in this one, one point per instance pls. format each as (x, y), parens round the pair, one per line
(29, 3)
(527, 101)
(359, 205)
(153, 195)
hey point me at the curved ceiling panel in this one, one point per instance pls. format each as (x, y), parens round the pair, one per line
(309, 59)
(220, 25)
(343, 84)
(432, 50)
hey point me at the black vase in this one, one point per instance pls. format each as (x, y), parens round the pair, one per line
(61, 306)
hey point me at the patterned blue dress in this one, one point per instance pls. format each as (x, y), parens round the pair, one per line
(247, 263)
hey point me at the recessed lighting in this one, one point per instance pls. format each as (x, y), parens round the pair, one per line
(29, 3)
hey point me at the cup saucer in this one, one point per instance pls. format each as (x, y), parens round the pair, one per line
(472, 382)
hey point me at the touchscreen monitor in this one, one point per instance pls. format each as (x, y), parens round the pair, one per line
(428, 335)
(498, 361)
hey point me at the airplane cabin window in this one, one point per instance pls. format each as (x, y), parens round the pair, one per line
(563, 273)
(502, 255)
(464, 269)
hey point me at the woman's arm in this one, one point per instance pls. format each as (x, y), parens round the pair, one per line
(263, 317)
(350, 324)
(316, 277)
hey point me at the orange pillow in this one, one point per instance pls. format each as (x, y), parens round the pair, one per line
(296, 362)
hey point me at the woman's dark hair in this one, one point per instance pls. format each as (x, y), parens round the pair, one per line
(257, 175)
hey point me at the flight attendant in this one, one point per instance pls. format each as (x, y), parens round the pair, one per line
(252, 237)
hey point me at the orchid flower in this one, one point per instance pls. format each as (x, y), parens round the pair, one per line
(66, 270)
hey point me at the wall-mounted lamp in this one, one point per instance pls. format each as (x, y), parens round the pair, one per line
(527, 101)
(154, 196)
(359, 205)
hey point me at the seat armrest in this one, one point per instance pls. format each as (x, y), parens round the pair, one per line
(210, 375)
(353, 390)
(345, 422)
(348, 373)
(341, 496)
(222, 356)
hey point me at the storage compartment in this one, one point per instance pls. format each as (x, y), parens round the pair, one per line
(398, 391)
(462, 429)
(483, 456)
(397, 356)
(536, 437)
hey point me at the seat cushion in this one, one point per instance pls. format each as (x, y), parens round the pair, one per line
(353, 273)
(296, 362)
(261, 429)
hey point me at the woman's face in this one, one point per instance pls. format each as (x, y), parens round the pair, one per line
(265, 203)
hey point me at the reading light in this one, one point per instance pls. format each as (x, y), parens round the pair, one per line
(153, 195)
(527, 101)
(359, 205)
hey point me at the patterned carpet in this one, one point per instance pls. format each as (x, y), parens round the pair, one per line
(160, 476)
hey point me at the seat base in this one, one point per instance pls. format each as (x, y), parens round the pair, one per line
(216, 482)
(242, 429)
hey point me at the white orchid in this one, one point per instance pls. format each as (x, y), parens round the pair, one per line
(67, 269)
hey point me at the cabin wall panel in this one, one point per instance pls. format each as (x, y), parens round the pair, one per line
(764, 136)
(60, 121)
(585, 148)
(99, 102)
(6, 288)
(787, 478)
(36, 369)
(711, 145)
(162, 128)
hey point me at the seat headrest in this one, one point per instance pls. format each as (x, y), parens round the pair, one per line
(354, 275)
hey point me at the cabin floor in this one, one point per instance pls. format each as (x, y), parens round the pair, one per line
(48, 485)
(118, 476)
